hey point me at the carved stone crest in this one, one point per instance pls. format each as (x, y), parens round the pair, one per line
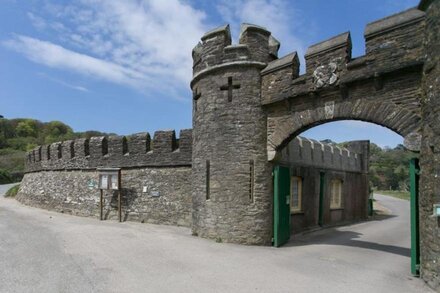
(325, 75)
(329, 109)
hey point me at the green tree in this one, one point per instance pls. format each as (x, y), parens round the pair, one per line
(57, 131)
(5, 177)
(27, 128)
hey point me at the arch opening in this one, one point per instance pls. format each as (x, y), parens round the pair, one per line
(333, 174)
(282, 128)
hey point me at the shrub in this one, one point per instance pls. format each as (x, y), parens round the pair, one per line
(12, 192)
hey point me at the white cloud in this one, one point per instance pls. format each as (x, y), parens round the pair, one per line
(56, 56)
(278, 16)
(144, 44)
(140, 43)
(65, 84)
(38, 22)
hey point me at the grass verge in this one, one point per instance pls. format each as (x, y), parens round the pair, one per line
(395, 193)
(12, 192)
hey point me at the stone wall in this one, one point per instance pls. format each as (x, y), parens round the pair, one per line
(137, 150)
(308, 152)
(354, 198)
(75, 192)
(430, 152)
(63, 177)
(307, 159)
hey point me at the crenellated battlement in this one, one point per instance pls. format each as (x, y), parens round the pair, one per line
(256, 47)
(393, 44)
(309, 152)
(137, 150)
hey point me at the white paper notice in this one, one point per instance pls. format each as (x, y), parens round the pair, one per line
(104, 181)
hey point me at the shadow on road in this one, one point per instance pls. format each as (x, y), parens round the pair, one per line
(381, 217)
(333, 236)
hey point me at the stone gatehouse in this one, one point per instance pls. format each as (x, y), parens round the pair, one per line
(63, 177)
(248, 107)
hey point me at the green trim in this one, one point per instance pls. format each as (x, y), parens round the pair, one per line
(281, 206)
(415, 241)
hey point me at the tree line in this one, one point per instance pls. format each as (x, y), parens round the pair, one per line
(20, 135)
(389, 167)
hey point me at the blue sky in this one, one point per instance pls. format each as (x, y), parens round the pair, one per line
(125, 66)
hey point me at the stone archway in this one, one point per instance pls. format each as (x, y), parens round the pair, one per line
(383, 87)
(403, 122)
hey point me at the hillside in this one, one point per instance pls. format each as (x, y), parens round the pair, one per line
(20, 135)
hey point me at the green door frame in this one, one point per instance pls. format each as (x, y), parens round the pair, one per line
(414, 171)
(281, 206)
(321, 198)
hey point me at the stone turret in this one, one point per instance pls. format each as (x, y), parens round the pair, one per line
(231, 174)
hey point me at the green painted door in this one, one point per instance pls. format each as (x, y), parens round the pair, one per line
(281, 205)
(414, 188)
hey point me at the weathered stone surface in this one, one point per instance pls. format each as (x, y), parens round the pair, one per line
(331, 54)
(115, 151)
(430, 152)
(412, 141)
(302, 151)
(75, 192)
(230, 134)
(393, 22)
(231, 191)
(63, 178)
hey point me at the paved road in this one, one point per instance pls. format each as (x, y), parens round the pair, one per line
(5, 187)
(42, 251)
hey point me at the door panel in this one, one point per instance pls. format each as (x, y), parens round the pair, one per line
(281, 229)
(414, 188)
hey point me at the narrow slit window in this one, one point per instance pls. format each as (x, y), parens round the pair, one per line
(251, 180)
(208, 196)
(124, 146)
(60, 151)
(72, 150)
(147, 144)
(86, 147)
(104, 146)
(48, 152)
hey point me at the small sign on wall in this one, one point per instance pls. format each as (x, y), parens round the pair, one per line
(103, 181)
(91, 184)
(436, 210)
(109, 178)
(114, 182)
